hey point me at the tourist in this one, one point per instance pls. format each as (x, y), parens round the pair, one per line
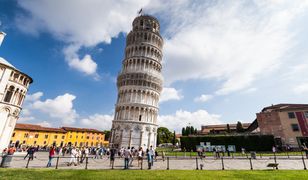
(274, 149)
(163, 155)
(78, 155)
(140, 156)
(73, 157)
(112, 155)
(60, 151)
(28, 150)
(4, 152)
(11, 150)
(127, 155)
(304, 148)
(31, 152)
(149, 157)
(152, 153)
(243, 151)
(51, 155)
(83, 155)
(131, 159)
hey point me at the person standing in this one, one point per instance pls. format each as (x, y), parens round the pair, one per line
(152, 153)
(140, 156)
(127, 155)
(112, 156)
(51, 155)
(149, 158)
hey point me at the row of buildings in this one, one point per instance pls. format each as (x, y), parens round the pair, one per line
(36, 135)
(288, 123)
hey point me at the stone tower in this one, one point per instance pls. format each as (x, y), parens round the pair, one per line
(14, 85)
(139, 86)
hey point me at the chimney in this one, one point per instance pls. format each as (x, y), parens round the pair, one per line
(2, 35)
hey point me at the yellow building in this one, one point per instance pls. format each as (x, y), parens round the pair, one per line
(29, 134)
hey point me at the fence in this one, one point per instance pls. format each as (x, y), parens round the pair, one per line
(188, 162)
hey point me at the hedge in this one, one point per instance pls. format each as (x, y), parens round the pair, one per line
(249, 142)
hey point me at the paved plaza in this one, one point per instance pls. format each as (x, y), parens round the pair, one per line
(180, 163)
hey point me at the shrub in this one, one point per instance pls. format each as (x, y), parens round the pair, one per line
(249, 142)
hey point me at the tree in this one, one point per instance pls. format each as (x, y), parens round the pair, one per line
(164, 135)
(174, 138)
(107, 134)
(196, 131)
(239, 127)
(183, 132)
(228, 128)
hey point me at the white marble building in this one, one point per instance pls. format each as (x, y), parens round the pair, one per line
(13, 88)
(139, 86)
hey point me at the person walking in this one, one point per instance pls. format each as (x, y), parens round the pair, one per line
(51, 155)
(28, 150)
(127, 155)
(133, 154)
(73, 157)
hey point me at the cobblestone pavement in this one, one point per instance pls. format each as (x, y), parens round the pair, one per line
(183, 163)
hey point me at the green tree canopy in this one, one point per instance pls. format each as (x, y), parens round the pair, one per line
(164, 135)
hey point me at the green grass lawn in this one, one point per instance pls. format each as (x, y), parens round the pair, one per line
(148, 174)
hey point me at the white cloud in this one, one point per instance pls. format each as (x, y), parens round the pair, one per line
(98, 121)
(24, 118)
(44, 124)
(203, 98)
(79, 24)
(60, 107)
(170, 94)
(183, 118)
(234, 43)
(33, 97)
(86, 65)
(301, 88)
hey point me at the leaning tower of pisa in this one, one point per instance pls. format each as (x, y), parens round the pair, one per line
(139, 86)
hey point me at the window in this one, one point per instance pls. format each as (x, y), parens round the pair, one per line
(24, 142)
(34, 142)
(291, 115)
(81, 137)
(46, 136)
(26, 135)
(36, 135)
(9, 94)
(140, 117)
(88, 137)
(13, 135)
(63, 137)
(141, 23)
(56, 136)
(71, 136)
(306, 114)
(76, 137)
(44, 142)
(295, 127)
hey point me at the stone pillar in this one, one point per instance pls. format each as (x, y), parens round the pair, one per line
(149, 139)
(140, 143)
(130, 138)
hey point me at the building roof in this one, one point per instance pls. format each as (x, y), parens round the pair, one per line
(285, 107)
(224, 126)
(6, 63)
(33, 127)
(81, 129)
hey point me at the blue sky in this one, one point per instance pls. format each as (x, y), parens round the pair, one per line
(223, 60)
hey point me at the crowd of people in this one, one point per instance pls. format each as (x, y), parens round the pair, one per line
(78, 155)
